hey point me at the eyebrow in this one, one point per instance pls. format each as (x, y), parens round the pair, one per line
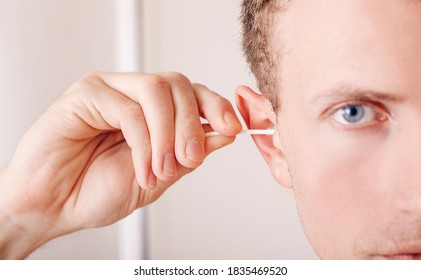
(347, 91)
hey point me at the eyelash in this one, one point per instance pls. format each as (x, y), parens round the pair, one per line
(382, 115)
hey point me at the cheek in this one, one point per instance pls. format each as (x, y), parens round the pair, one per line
(334, 173)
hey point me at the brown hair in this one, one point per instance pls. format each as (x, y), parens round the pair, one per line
(257, 21)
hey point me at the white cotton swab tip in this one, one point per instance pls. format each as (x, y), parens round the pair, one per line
(246, 132)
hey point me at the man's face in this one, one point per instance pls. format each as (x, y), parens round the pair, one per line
(350, 123)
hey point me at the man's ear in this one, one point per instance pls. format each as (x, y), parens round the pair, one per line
(257, 113)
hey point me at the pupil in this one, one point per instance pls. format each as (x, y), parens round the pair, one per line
(353, 111)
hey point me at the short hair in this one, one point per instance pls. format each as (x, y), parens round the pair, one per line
(263, 59)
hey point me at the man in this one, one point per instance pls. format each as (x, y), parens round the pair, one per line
(343, 78)
(340, 86)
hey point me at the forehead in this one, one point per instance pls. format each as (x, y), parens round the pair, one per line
(360, 41)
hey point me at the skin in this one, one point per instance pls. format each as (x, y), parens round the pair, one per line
(357, 186)
(111, 144)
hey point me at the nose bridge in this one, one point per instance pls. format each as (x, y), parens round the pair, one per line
(412, 144)
(406, 162)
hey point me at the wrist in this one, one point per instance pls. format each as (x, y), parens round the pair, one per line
(15, 241)
(20, 232)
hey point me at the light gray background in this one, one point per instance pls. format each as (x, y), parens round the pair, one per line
(230, 208)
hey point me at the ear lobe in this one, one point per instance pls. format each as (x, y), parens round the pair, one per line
(258, 114)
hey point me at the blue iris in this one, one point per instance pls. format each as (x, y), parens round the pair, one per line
(353, 113)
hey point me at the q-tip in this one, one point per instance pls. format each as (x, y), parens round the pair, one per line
(246, 132)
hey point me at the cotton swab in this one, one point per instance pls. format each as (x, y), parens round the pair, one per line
(246, 132)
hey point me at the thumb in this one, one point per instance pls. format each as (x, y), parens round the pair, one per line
(214, 143)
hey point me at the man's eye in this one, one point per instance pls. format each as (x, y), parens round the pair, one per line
(355, 115)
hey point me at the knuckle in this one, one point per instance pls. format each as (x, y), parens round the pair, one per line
(222, 102)
(156, 82)
(146, 146)
(88, 84)
(199, 85)
(90, 79)
(133, 112)
(191, 119)
(179, 78)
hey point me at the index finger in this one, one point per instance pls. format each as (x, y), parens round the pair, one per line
(217, 110)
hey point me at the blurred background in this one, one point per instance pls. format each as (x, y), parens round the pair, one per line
(229, 208)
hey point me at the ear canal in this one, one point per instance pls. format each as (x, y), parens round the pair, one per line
(277, 142)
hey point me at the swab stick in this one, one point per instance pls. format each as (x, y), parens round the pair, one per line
(246, 132)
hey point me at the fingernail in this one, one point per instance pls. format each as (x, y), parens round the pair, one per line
(169, 166)
(151, 180)
(231, 120)
(194, 150)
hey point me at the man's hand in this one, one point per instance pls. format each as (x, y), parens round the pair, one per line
(111, 144)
